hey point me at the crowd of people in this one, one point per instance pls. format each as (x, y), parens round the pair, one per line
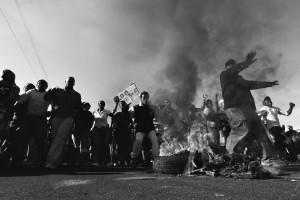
(52, 127)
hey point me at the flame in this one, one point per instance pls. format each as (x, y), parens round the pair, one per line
(197, 140)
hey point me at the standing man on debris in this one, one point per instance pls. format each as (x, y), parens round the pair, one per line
(241, 111)
(65, 104)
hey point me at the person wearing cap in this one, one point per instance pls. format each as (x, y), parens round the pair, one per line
(270, 114)
(240, 109)
(143, 115)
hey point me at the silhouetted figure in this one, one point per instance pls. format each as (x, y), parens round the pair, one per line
(121, 124)
(101, 135)
(33, 125)
(9, 94)
(241, 111)
(143, 116)
(65, 104)
(83, 124)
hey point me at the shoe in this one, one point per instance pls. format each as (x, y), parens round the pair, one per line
(147, 164)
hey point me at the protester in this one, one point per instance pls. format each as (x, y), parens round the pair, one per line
(121, 124)
(29, 86)
(101, 137)
(292, 144)
(83, 124)
(211, 123)
(223, 123)
(241, 111)
(9, 94)
(270, 117)
(33, 125)
(143, 116)
(65, 103)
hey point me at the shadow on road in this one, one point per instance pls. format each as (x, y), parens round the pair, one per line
(69, 171)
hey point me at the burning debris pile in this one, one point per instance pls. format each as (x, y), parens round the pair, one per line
(182, 131)
(189, 147)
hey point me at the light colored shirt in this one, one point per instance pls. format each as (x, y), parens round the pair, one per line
(272, 116)
(36, 104)
(101, 118)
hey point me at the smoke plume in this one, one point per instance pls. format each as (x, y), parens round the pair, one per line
(200, 35)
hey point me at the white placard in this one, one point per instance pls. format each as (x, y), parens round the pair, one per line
(129, 94)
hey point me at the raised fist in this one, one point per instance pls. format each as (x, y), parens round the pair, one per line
(292, 104)
(116, 99)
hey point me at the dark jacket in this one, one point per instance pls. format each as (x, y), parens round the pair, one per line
(83, 121)
(236, 91)
(65, 102)
(143, 118)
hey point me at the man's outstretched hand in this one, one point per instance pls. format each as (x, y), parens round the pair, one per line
(250, 58)
(274, 83)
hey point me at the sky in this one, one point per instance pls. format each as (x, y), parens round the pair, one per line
(170, 47)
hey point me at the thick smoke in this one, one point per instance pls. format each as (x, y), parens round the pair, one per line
(200, 35)
(187, 41)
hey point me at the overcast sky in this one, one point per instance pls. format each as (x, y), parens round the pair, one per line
(107, 44)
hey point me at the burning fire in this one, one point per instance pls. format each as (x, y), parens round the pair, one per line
(183, 135)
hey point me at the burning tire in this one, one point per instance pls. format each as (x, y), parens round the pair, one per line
(173, 164)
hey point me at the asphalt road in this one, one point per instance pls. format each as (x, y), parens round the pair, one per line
(129, 184)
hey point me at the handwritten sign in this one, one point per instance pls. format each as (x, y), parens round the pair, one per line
(129, 94)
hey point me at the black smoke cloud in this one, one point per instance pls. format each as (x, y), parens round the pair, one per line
(198, 36)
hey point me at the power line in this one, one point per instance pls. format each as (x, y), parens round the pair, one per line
(18, 42)
(31, 39)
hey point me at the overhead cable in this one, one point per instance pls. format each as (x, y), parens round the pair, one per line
(31, 39)
(18, 42)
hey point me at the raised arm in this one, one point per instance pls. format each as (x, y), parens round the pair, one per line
(117, 101)
(238, 67)
(253, 85)
(289, 111)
